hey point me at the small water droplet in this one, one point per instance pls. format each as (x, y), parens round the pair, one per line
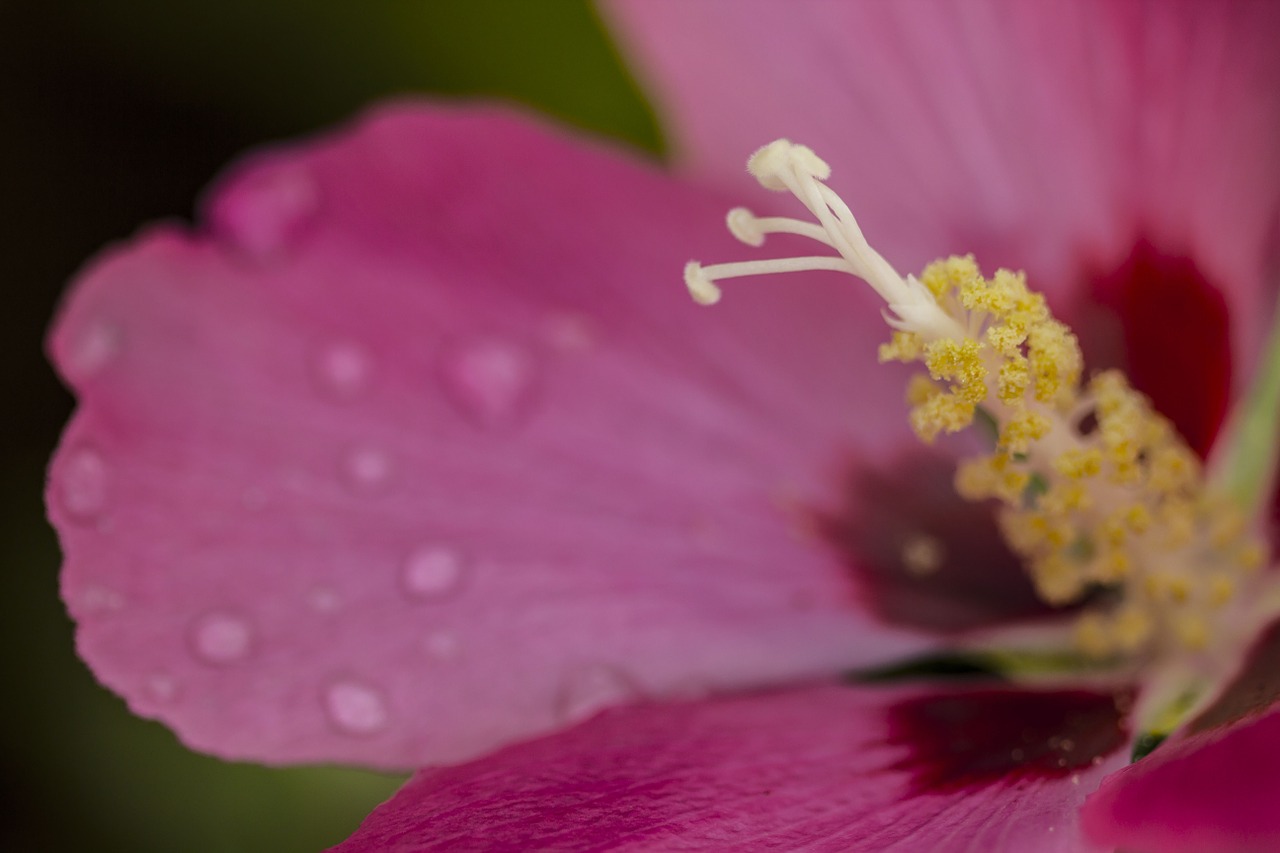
(322, 599)
(82, 484)
(343, 369)
(432, 572)
(492, 381)
(266, 212)
(99, 599)
(95, 346)
(161, 687)
(441, 645)
(570, 333)
(367, 469)
(355, 707)
(222, 637)
(593, 688)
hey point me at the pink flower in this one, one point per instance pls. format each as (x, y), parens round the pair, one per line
(416, 449)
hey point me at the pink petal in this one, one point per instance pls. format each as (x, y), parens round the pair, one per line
(823, 768)
(1216, 791)
(423, 449)
(1054, 136)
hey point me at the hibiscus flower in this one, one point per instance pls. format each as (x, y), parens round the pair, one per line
(415, 453)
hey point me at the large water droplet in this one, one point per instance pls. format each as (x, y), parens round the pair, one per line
(593, 688)
(492, 381)
(355, 708)
(268, 211)
(82, 484)
(343, 369)
(432, 572)
(95, 345)
(222, 637)
(367, 469)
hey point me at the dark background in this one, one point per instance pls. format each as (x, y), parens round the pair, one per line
(117, 112)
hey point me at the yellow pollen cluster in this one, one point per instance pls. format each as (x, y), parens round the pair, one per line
(1100, 496)
(1015, 352)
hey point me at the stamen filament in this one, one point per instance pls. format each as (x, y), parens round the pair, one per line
(699, 279)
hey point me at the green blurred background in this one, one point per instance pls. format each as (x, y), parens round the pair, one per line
(117, 112)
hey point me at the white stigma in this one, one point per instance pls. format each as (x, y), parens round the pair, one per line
(785, 167)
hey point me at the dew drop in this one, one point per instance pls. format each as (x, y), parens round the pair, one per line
(342, 370)
(222, 637)
(593, 688)
(95, 346)
(268, 211)
(322, 599)
(432, 572)
(161, 687)
(441, 645)
(490, 380)
(82, 484)
(570, 333)
(355, 708)
(367, 469)
(99, 599)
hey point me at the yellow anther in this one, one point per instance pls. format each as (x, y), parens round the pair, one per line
(1250, 556)
(1079, 463)
(1055, 360)
(1057, 580)
(1192, 630)
(1092, 636)
(920, 388)
(959, 362)
(1006, 340)
(902, 346)
(1064, 497)
(1023, 429)
(941, 413)
(1014, 379)
(943, 276)
(1132, 627)
(1136, 517)
(1222, 588)
(1171, 468)
(1111, 567)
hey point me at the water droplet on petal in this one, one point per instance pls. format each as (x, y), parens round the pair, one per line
(492, 381)
(343, 370)
(593, 688)
(97, 343)
(432, 572)
(322, 599)
(82, 484)
(222, 637)
(570, 333)
(268, 211)
(441, 645)
(355, 708)
(161, 687)
(98, 599)
(367, 469)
